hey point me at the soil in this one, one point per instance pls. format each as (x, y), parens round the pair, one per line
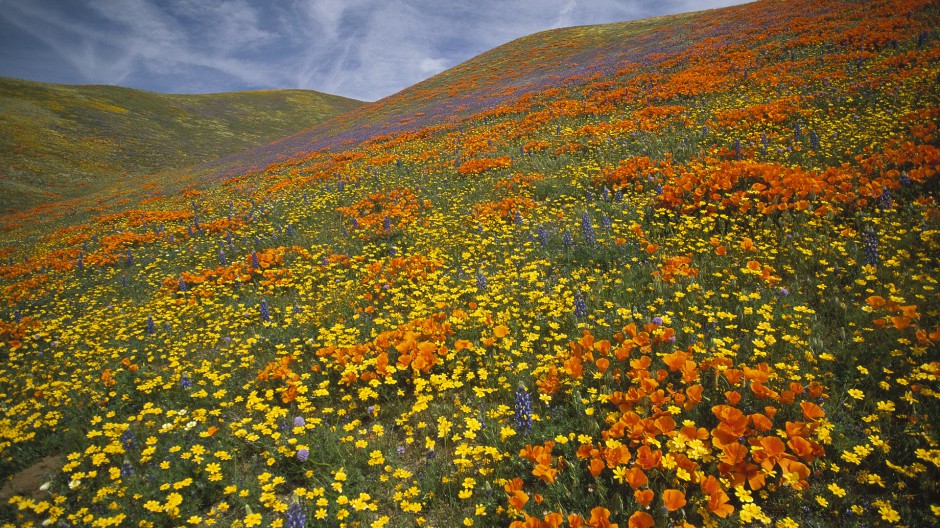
(27, 482)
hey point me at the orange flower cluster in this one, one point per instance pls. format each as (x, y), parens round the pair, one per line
(518, 182)
(13, 332)
(546, 467)
(281, 370)
(744, 447)
(633, 171)
(270, 270)
(775, 112)
(503, 209)
(413, 347)
(480, 165)
(401, 206)
(674, 267)
(383, 275)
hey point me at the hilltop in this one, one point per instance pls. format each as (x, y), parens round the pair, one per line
(61, 141)
(672, 272)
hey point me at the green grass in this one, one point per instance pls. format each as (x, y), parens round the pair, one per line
(61, 142)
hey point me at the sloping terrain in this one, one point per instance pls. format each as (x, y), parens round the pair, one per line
(665, 273)
(60, 141)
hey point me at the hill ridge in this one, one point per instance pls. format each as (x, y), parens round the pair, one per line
(67, 140)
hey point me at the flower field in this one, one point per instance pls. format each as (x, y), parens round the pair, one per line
(678, 272)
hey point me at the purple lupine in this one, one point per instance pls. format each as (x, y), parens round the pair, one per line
(871, 247)
(542, 236)
(481, 280)
(255, 261)
(151, 326)
(580, 306)
(567, 239)
(522, 418)
(884, 201)
(265, 312)
(587, 229)
(296, 518)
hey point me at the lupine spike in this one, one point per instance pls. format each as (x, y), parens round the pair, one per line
(265, 311)
(587, 229)
(871, 247)
(580, 306)
(884, 201)
(151, 326)
(567, 239)
(542, 236)
(481, 280)
(296, 518)
(522, 417)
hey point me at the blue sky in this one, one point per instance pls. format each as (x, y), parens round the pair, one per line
(365, 49)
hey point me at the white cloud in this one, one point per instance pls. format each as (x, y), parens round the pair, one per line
(365, 49)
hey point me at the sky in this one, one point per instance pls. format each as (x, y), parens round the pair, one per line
(364, 49)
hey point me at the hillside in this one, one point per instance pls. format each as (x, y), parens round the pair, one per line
(59, 142)
(672, 272)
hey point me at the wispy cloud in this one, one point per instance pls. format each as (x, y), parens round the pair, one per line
(365, 49)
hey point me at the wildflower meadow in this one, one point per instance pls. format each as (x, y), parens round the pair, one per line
(675, 272)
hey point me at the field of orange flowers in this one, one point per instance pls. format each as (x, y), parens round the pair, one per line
(680, 275)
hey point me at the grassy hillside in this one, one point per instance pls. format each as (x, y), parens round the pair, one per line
(667, 273)
(59, 141)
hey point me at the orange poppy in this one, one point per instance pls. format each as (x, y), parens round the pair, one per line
(643, 497)
(641, 519)
(673, 499)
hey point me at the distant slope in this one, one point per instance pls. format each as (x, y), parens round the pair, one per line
(533, 64)
(59, 141)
